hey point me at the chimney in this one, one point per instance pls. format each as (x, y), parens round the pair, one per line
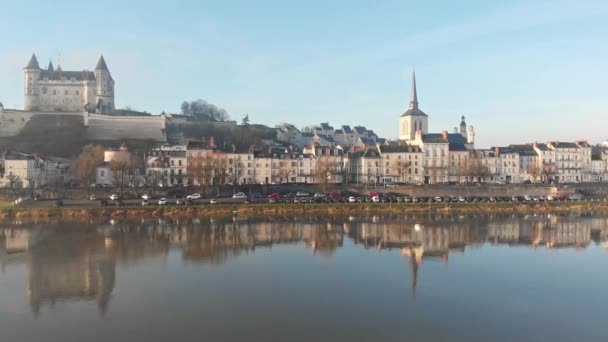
(445, 135)
(497, 149)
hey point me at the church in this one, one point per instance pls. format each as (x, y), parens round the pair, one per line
(55, 90)
(414, 125)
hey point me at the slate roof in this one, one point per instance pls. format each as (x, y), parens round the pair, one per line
(454, 146)
(33, 63)
(101, 64)
(68, 75)
(347, 129)
(399, 149)
(326, 126)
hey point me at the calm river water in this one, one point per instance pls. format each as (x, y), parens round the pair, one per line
(369, 278)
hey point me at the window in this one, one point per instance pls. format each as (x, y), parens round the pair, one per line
(101, 173)
(179, 162)
(77, 92)
(66, 92)
(44, 90)
(54, 92)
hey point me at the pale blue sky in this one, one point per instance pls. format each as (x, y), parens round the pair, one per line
(521, 71)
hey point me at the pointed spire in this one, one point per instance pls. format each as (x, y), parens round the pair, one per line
(33, 63)
(101, 64)
(58, 68)
(414, 98)
(50, 68)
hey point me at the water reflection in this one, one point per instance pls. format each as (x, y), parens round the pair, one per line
(68, 261)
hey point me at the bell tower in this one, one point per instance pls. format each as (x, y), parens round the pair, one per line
(413, 119)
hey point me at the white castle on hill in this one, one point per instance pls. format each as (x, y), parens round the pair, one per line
(56, 90)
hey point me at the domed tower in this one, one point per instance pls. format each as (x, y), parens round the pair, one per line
(31, 78)
(463, 127)
(413, 119)
(104, 87)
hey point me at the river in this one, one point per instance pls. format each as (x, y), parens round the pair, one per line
(367, 278)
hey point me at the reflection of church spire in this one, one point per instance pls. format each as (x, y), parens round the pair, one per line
(414, 269)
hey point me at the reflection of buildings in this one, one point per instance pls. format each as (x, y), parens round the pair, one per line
(62, 269)
(79, 264)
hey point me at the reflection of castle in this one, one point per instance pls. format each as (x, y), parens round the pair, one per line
(60, 270)
(76, 265)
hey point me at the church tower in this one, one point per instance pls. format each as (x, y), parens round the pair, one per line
(32, 76)
(463, 127)
(413, 119)
(104, 87)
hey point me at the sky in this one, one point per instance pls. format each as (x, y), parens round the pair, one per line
(520, 71)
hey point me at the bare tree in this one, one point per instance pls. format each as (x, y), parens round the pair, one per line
(90, 157)
(286, 169)
(218, 167)
(200, 168)
(325, 169)
(120, 172)
(535, 171)
(14, 183)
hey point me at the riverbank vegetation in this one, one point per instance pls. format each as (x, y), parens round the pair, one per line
(88, 213)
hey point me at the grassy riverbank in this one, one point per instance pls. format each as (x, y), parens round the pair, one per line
(87, 213)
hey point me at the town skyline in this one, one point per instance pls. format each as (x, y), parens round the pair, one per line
(506, 69)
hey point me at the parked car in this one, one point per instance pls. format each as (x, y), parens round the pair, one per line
(437, 199)
(319, 195)
(145, 202)
(302, 194)
(180, 201)
(272, 200)
(213, 201)
(58, 203)
(162, 201)
(376, 199)
(194, 196)
(120, 203)
(274, 195)
(352, 199)
(114, 197)
(92, 198)
(240, 195)
(575, 197)
(146, 197)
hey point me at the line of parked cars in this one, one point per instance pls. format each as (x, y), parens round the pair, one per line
(373, 197)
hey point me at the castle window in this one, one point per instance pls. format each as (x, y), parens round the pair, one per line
(44, 90)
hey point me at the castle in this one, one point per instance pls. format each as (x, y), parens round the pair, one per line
(56, 90)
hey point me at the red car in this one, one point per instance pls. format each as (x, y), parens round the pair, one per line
(275, 195)
(334, 195)
(374, 194)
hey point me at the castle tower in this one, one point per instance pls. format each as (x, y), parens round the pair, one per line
(413, 119)
(463, 127)
(104, 87)
(32, 76)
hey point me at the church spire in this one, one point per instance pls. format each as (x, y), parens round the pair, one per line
(414, 98)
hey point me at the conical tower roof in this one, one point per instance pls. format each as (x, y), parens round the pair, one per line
(101, 64)
(33, 63)
(50, 68)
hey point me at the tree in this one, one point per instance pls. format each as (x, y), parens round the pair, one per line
(218, 167)
(200, 168)
(535, 171)
(152, 178)
(325, 168)
(90, 157)
(204, 111)
(14, 183)
(245, 121)
(286, 169)
(120, 172)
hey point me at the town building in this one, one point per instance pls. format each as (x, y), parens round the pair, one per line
(32, 171)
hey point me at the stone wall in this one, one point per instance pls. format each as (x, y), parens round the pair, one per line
(104, 127)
